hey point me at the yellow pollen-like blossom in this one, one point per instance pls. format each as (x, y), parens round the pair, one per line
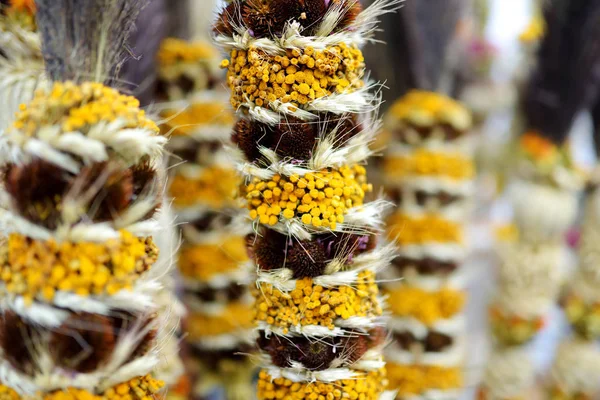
(197, 115)
(173, 50)
(427, 163)
(300, 76)
(36, 269)
(204, 261)
(234, 317)
(417, 379)
(74, 107)
(215, 187)
(310, 304)
(368, 386)
(7, 393)
(426, 307)
(141, 388)
(320, 199)
(428, 108)
(535, 30)
(407, 230)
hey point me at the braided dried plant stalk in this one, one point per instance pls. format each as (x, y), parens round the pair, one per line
(82, 295)
(429, 173)
(212, 259)
(305, 122)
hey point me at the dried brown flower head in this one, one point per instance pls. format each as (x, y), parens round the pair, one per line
(83, 342)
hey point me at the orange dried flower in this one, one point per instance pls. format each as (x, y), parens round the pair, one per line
(537, 146)
(23, 5)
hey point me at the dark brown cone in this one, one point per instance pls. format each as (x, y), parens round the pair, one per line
(268, 251)
(280, 350)
(354, 8)
(437, 341)
(229, 17)
(316, 355)
(83, 342)
(248, 136)
(259, 19)
(294, 139)
(306, 259)
(36, 190)
(115, 193)
(354, 348)
(123, 324)
(15, 337)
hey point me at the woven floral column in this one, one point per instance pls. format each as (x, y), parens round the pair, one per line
(544, 196)
(212, 259)
(577, 362)
(296, 75)
(429, 173)
(80, 283)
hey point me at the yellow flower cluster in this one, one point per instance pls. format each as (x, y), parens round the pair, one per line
(427, 307)
(36, 269)
(142, 388)
(367, 387)
(310, 304)
(203, 261)
(423, 108)
(186, 122)
(173, 51)
(298, 77)
(507, 233)
(430, 228)
(215, 187)
(416, 379)
(235, 317)
(557, 393)
(534, 31)
(7, 393)
(319, 199)
(78, 107)
(422, 162)
(584, 317)
(511, 329)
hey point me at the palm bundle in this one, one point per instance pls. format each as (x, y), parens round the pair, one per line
(528, 281)
(296, 77)
(82, 315)
(212, 259)
(428, 172)
(573, 375)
